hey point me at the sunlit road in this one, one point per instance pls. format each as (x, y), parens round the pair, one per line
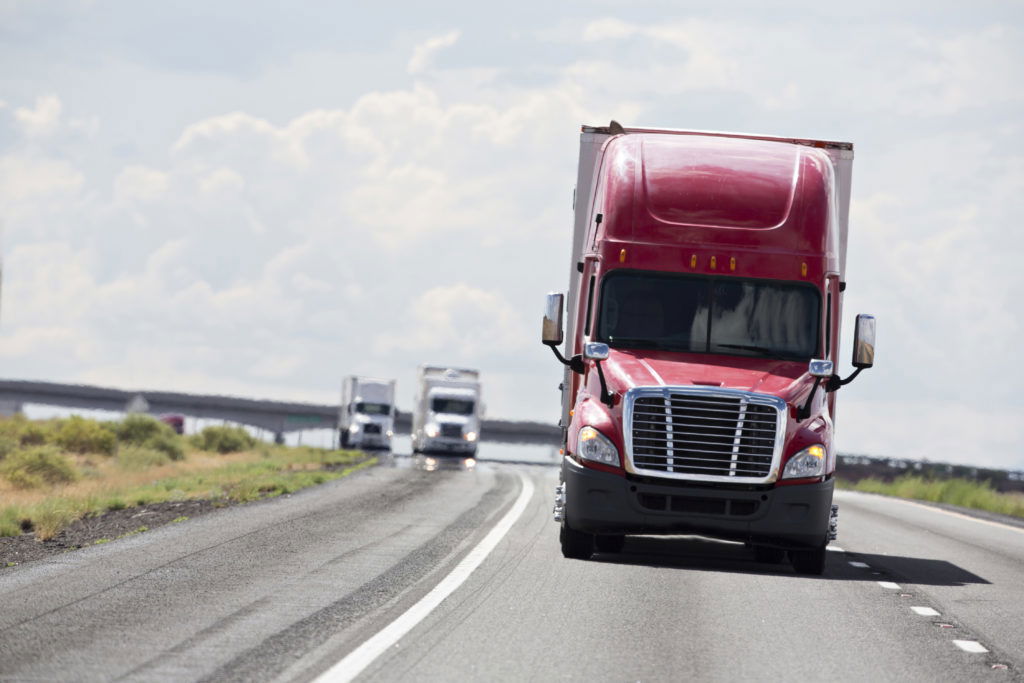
(286, 589)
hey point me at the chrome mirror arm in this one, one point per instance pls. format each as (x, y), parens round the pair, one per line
(575, 363)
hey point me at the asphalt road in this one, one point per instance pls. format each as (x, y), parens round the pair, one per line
(288, 588)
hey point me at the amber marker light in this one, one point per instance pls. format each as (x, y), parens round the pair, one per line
(732, 263)
(714, 261)
(622, 256)
(693, 261)
(803, 269)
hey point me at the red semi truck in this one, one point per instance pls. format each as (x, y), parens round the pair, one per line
(700, 341)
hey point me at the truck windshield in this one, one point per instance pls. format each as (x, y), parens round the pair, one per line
(709, 315)
(373, 409)
(452, 406)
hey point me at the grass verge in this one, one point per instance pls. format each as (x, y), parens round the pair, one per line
(962, 492)
(46, 487)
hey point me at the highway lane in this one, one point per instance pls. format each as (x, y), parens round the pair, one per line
(285, 589)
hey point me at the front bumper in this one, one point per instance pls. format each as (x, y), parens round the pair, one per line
(448, 445)
(362, 440)
(785, 516)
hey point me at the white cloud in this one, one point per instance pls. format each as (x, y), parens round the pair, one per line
(460, 321)
(424, 53)
(24, 179)
(140, 183)
(43, 119)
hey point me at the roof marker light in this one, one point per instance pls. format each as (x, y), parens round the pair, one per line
(803, 269)
(713, 262)
(622, 256)
(732, 263)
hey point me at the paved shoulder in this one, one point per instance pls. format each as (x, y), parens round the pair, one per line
(242, 593)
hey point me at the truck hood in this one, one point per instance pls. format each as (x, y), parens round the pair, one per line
(626, 369)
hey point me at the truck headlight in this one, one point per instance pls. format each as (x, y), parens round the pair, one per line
(431, 430)
(595, 446)
(353, 428)
(469, 436)
(390, 433)
(810, 462)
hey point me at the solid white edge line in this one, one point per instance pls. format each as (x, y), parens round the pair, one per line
(890, 585)
(926, 611)
(356, 661)
(971, 646)
(950, 513)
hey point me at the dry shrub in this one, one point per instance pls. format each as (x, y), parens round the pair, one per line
(78, 435)
(37, 466)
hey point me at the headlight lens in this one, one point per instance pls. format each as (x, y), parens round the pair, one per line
(353, 428)
(469, 436)
(595, 446)
(810, 462)
(431, 430)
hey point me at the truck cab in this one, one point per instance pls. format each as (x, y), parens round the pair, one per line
(704, 308)
(447, 411)
(366, 418)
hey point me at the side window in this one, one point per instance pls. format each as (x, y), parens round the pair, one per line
(590, 306)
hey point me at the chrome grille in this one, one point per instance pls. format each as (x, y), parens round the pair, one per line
(452, 431)
(706, 434)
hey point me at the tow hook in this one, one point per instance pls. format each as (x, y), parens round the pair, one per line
(559, 511)
(833, 523)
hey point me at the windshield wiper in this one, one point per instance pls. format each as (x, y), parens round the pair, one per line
(636, 341)
(764, 350)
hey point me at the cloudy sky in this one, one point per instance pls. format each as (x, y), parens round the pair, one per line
(258, 198)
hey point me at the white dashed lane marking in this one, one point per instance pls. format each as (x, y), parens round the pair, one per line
(835, 549)
(970, 646)
(890, 585)
(925, 611)
(862, 565)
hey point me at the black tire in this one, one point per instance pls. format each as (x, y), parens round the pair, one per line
(609, 543)
(576, 545)
(344, 438)
(766, 555)
(809, 561)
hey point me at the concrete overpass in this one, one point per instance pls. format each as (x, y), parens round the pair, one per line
(277, 417)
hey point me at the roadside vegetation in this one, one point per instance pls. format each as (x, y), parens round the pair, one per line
(954, 491)
(54, 472)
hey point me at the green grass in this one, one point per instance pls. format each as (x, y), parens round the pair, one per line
(962, 492)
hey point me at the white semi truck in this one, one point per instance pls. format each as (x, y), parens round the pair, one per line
(447, 410)
(366, 418)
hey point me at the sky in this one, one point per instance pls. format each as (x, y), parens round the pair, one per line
(257, 198)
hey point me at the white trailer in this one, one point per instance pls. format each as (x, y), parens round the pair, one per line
(366, 418)
(446, 411)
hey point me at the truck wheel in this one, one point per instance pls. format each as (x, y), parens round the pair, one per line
(766, 555)
(609, 543)
(576, 545)
(809, 561)
(344, 438)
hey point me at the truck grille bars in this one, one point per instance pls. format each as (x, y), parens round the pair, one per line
(704, 434)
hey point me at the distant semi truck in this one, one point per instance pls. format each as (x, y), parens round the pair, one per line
(366, 418)
(447, 410)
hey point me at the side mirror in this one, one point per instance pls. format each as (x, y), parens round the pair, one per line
(551, 331)
(595, 351)
(820, 368)
(864, 342)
